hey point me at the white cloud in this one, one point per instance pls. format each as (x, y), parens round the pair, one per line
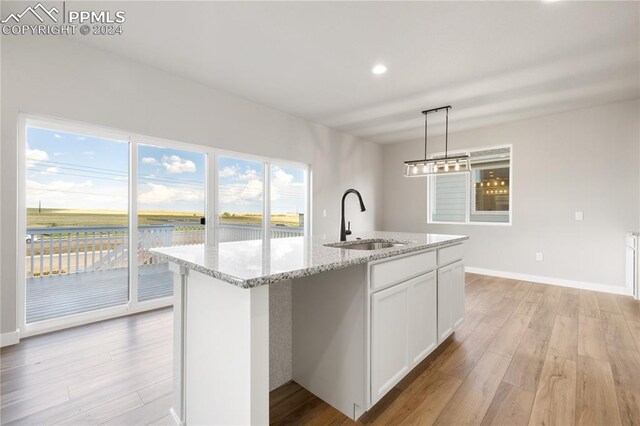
(50, 171)
(36, 155)
(286, 195)
(249, 175)
(152, 193)
(57, 154)
(228, 172)
(280, 177)
(89, 153)
(248, 189)
(76, 195)
(149, 160)
(58, 185)
(175, 165)
(57, 136)
(241, 194)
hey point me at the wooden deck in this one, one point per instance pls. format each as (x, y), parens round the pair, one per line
(57, 296)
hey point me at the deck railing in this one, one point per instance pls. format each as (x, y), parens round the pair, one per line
(62, 250)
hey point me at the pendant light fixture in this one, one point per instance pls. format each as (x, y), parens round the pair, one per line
(458, 163)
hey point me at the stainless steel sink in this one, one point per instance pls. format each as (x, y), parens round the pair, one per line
(371, 246)
(367, 245)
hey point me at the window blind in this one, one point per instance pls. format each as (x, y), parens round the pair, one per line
(450, 202)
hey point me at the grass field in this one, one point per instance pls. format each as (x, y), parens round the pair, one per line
(69, 218)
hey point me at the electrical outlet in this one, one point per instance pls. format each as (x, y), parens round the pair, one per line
(579, 216)
(324, 213)
(538, 257)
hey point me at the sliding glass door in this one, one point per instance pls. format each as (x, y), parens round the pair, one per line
(171, 200)
(77, 217)
(95, 202)
(240, 199)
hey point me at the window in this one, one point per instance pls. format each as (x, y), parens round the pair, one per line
(242, 191)
(482, 196)
(94, 201)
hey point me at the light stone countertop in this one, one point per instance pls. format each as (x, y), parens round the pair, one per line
(250, 264)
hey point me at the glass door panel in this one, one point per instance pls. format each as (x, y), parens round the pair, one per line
(171, 202)
(241, 199)
(77, 215)
(288, 201)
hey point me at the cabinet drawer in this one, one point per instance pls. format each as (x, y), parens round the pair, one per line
(395, 271)
(449, 254)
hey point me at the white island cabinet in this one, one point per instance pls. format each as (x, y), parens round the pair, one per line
(361, 319)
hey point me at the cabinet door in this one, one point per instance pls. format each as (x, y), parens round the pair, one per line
(389, 339)
(423, 317)
(445, 317)
(457, 294)
(450, 299)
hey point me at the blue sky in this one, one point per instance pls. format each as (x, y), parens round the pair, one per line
(73, 171)
(79, 172)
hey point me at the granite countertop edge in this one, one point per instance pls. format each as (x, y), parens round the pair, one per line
(311, 270)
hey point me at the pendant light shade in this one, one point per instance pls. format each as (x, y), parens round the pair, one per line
(449, 164)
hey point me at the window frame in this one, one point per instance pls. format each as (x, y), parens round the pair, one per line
(470, 198)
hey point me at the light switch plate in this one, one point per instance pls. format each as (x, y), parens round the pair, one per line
(539, 257)
(579, 216)
(324, 213)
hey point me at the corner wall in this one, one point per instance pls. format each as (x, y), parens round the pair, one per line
(583, 160)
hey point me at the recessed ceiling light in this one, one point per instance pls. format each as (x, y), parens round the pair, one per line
(379, 69)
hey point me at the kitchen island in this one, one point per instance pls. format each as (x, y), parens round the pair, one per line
(364, 314)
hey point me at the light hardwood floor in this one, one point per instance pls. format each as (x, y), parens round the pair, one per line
(527, 354)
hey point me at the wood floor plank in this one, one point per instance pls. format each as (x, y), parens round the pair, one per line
(596, 402)
(426, 404)
(143, 415)
(555, 399)
(462, 360)
(564, 337)
(634, 329)
(616, 331)
(630, 307)
(569, 304)
(499, 313)
(510, 406)
(105, 412)
(529, 304)
(608, 303)
(510, 335)
(544, 316)
(591, 339)
(34, 404)
(589, 306)
(528, 360)
(517, 290)
(625, 368)
(472, 399)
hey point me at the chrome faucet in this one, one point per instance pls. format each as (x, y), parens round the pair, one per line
(344, 232)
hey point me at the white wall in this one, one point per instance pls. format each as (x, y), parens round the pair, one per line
(55, 77)
(583, 160)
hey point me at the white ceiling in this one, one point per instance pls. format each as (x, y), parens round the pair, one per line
(492, 61)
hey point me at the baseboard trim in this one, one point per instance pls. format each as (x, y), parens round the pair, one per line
(8, 339)
(604, 288)
(175, 418)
